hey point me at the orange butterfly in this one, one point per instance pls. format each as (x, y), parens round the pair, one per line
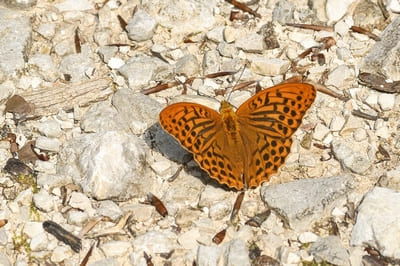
(244, 148)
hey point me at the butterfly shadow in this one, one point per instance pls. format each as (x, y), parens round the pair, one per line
(157, 139)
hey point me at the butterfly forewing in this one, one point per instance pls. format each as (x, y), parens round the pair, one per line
(199, 129)
(277, 111)
(267, 122)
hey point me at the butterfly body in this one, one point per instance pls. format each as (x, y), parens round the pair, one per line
(241, 149)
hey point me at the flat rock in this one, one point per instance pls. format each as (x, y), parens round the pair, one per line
(302, 202)
(377, 222)
(330, 249)
(16, 33)
(107, 165)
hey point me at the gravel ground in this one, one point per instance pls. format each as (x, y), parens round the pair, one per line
(88, 169)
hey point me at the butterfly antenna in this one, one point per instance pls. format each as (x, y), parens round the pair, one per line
(237, 82)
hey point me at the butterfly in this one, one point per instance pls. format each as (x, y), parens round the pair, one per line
(241, 149)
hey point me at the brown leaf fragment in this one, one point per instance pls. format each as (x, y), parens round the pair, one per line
(18, 105)
(243, 7)
(365, 32)
(26, 153)
(157, 203)
(236, 207)
(63, 235)
(148, 259)
(87, 256)
(3, 222)
(219, 237)
(311, 27)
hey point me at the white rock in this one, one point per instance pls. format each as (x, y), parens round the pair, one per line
(252, 43)
(307, 237)
(44, 201)
(115, 249)
(47, 144)
(372, 99)
(187, 65)
(393, 5)
(141, 212)
(81, 201)
(188, 240)
(141, 26)
(342, 28)
(109, 209)
(337, 123)
(74, 5)
(48, 167)
(320, 132)
(107, 165)
(50, 128)
(39, 242)
(161, 168)
(220, 209)
(211, 195)
(155, 242)
(377, 222)
(307, 160)
(336, 9)
(386, 101)
(360, 134)
(47, 30)
(61, 253)
(340, 76)
(236, 253)
(76, 217)
(24, 198)
(115, 62)
(349, 158)
(32, 229)
(269, 66)
(216, 34)
(209, 255)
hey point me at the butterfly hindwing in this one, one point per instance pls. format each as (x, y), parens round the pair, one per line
(199, 130)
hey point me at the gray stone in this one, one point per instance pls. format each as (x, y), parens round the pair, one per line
(47, 30)
(105, 262)
(51, 181)
(141, 69)
(182, 16)
(155, 242)
(45, 66)
(302, 202)
(211, 62)
(76, 217)
(187, 66)
(102, 117)
(74, 5)
(47, 144)
(16, 34)
(283, 12)
(330, 249)
(77, 65)
(252, 43)
(43, 201)
(81, 201)
(349, 158)
(4, 260)
(141, 26)
(50, 128)
(377, 223)
(391, 179)
(109, 209)
(115, 249)
(269, 66)
(139, 117)
(209, 255)
(108, 165)
(340, 77)
(236, 253)
(382, 56)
